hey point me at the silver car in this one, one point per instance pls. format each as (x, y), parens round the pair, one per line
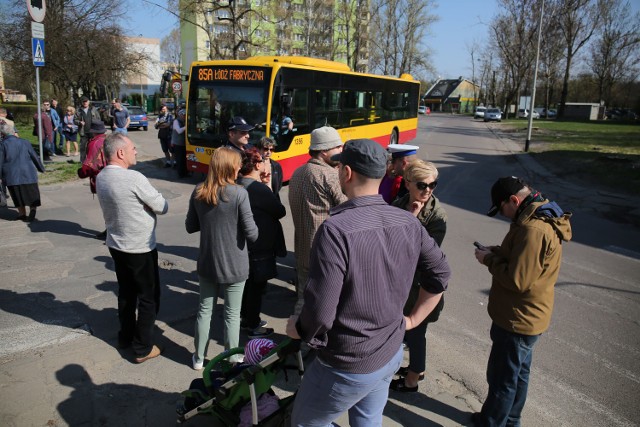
(492, 114)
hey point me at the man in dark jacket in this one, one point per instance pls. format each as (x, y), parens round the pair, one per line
(84, 116)
(164, 124)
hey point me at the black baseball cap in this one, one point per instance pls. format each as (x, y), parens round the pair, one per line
(503, 189)
(238, 123)
(364, 156)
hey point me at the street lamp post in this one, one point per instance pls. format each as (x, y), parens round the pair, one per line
(141, 92)
(535, 78)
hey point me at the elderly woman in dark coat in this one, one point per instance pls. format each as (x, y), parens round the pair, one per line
(19, 164)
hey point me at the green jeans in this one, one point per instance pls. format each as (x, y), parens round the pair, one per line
(209, 291)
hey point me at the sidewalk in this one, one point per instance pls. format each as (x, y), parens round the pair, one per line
(58, 323)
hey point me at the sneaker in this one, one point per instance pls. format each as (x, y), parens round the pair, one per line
(260, 332)
(262, 324)
(167, 164)
(155, 352)
(197, 366)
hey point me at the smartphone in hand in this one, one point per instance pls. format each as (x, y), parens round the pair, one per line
(480, 246)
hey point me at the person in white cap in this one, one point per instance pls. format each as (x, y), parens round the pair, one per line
(392, 185)
(313, 190)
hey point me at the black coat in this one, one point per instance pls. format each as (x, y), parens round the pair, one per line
(276, 177)
(267, 211)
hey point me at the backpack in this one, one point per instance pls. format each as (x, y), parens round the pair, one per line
(92, 165)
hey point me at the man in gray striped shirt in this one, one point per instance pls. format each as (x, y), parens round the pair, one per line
(129, 205)
(363, 261)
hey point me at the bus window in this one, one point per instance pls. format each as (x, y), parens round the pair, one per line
(354, 112)
(212, 103)
(295, 111)
(327, 108)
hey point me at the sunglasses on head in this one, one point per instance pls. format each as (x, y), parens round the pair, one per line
(423, 185)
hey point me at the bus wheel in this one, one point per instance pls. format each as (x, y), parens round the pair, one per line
(394, 137)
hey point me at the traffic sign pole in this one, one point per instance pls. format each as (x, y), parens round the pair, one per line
(39, 114)
(37, 12)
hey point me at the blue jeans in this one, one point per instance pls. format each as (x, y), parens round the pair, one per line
(508, 377)
(62, 139)
(325, 393)
(209, 291)
(121, 130)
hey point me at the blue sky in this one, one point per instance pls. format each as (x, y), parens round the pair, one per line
(461, 23)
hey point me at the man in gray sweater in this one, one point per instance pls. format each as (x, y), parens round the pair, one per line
(129, 205)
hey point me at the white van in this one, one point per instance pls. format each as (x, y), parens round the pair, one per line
(479, 114)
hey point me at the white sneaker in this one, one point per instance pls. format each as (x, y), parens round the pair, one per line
(197, 366)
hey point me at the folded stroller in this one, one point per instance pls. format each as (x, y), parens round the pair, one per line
(226, 387)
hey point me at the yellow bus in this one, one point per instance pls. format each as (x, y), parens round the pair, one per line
(266, 90)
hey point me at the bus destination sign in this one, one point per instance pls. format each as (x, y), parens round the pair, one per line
(231, 74)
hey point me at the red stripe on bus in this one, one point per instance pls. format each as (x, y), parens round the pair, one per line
(291, 164)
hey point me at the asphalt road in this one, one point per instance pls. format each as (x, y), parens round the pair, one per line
(586, 369)
(58, 309)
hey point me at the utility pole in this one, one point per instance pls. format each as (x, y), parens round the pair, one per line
(535, 78)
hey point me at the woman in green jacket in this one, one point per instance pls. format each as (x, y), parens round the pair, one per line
(421, 179)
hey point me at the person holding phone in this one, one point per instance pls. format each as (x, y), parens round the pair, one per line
(421, 179)
(524, 270)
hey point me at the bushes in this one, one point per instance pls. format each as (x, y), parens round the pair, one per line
(23, 112)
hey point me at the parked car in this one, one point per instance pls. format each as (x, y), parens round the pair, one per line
(479, 113)
(523, 113)
(544, 113)
(422, 109)
(621, 114)
(493, 114)
(138, 118)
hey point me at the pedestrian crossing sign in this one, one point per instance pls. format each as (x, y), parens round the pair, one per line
(37, 47)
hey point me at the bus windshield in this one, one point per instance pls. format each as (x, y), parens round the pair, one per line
(214, 100)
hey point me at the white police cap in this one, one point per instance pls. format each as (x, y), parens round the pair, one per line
(402, 150)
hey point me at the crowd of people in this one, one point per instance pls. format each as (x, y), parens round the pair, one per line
(358, 302)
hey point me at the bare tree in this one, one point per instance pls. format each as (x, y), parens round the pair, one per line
(170, 49)
(403, 25)
(614, 53)
(318, 17)
(351, 32)
(551, 54)
(577, 22)
(77, 50)
(514, 30)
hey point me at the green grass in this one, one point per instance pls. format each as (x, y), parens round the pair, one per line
(61, 171)
(606, 154)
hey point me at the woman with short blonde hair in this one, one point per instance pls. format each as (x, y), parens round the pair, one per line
(421, 179)
(70, 131)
